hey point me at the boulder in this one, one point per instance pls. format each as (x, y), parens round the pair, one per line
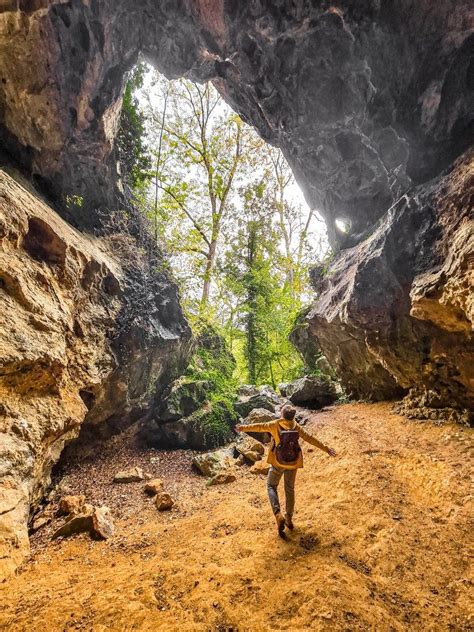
(163, 501)
(208, 427)
(251, 397)
(133, 475)
(247, 444)
(184, 398)
(102, 523)
(260, 416)
(247, 390)
(154, 487)
(312, 392)
(261, 467)
(222, 478)
(250, 448)
(211, 463)
(71, 505)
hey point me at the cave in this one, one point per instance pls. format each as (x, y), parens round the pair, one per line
(371, 104)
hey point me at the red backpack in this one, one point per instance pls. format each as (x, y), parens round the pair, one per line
(288, 450)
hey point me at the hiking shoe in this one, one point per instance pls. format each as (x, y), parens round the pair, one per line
(289, 522)
(280, 524)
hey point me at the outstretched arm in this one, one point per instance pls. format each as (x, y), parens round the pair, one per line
(313, 441)
(265, 427)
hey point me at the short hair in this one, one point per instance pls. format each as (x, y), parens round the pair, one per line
(288, 412)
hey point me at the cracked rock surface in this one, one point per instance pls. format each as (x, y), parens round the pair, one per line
(69, 359)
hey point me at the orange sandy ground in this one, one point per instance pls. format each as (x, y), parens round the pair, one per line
(382, 543)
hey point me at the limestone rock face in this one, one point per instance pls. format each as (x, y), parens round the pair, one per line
(395, 312)
(68, 355)
(311, 391)
(364, 99)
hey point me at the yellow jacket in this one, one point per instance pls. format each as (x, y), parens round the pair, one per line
(272, 427)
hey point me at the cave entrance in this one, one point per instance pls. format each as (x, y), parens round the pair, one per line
(226, 208)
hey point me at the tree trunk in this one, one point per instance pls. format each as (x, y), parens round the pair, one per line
(251, 350)
(210, 264)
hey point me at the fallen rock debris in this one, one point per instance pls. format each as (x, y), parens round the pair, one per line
(134, 475)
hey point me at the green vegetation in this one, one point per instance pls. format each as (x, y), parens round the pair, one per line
(132, 149)
(213, 363)
(222, 205)
(215, 422)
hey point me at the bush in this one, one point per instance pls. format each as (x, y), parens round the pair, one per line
(215, 422)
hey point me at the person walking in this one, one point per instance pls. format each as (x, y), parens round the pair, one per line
(285, 458)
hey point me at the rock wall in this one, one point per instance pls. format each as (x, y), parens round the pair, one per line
(68, 354)
(396, 311)
(364, 98)
(370, 101)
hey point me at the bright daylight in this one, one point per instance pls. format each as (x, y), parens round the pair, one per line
(236, 314)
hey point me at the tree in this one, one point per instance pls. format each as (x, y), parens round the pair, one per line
(265, 307)
(220, 201)
(131, 146)
(198, 153)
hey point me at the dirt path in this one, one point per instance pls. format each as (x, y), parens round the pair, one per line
(382, 543)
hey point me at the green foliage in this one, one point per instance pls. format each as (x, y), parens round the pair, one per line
(132, 150)
(217, 197)
(74, 201)
(213, 362)
(215, 422)
(266, 306)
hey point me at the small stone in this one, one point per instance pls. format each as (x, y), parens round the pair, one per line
(103, 523)
(77, 524)
(222, 478)
(327, 614)
(164, 501)
(134, 475)
(71, 505)
(154, 487)
(252, 456)
(261, 467)
(240, 460)
(39, 522)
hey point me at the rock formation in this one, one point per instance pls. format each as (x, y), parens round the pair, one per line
(364, 98)
(395, 312)
(68, 353)
(370, 102)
